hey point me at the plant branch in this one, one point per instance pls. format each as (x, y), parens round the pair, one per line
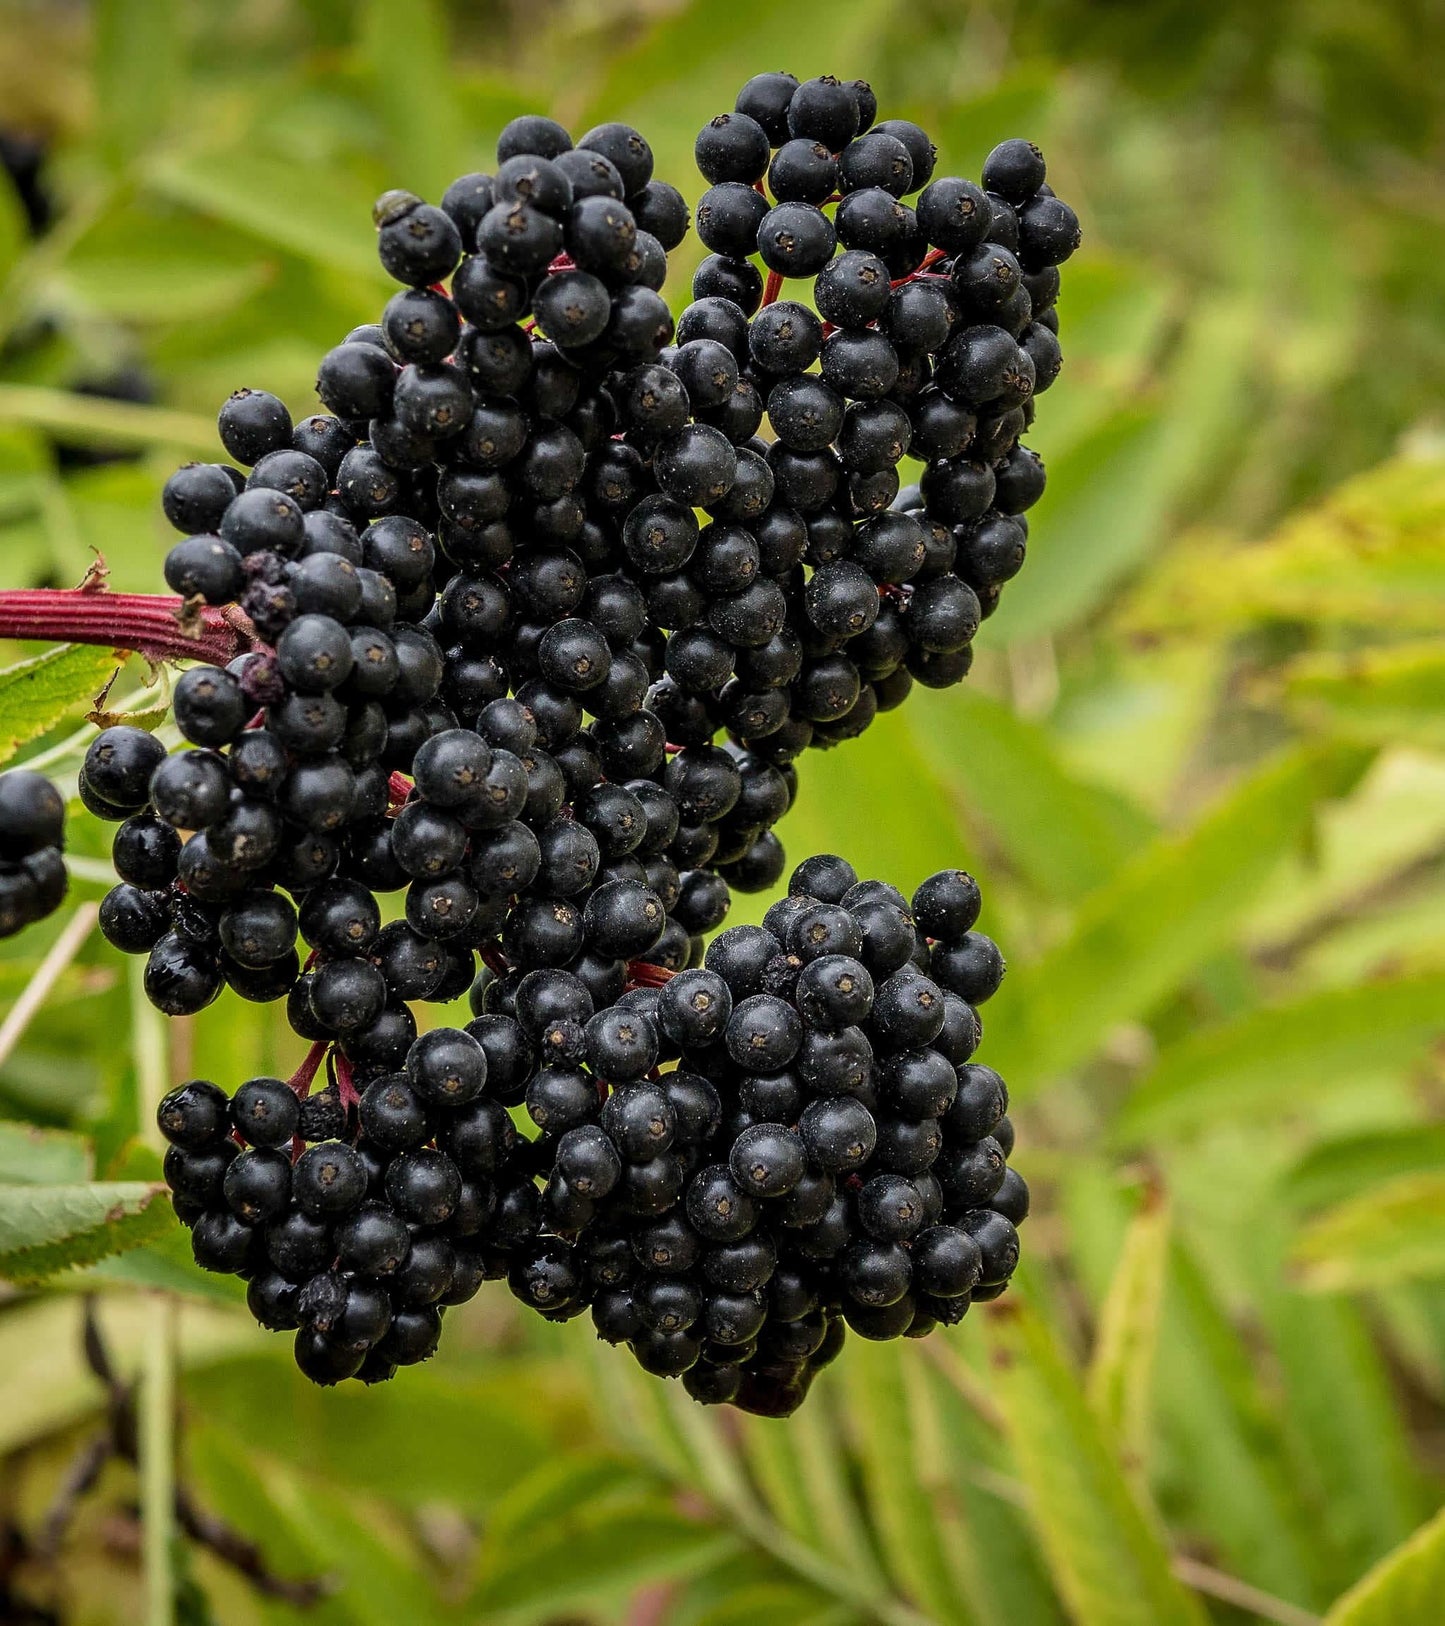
(159, 626)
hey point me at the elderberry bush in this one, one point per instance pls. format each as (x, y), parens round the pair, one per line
(730, 1167)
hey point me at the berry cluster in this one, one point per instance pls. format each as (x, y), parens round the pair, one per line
(32, 832)
(934, 330)
(539, 624)
(731, 1166)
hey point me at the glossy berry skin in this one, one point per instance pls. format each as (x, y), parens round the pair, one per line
(265, 1112)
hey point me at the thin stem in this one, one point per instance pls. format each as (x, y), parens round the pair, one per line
(156, 1422)
(159, 626)
(157, 1443)
(62, 951)
(304, 1076)
(772, 287)
(1230, 1589)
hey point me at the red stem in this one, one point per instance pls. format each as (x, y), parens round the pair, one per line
(933, 256)
(495, 961)
(642, 974)
(772, 288)
(398, 788)
(344, 1086)
(151, 624)
(302, 1079)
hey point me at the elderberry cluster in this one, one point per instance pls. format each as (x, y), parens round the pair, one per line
(503, 599)
(787, 1143)
(33, 880)
(730, 1167)
(934, 330)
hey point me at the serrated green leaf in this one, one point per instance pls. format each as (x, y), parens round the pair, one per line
(1170, 909)
(38, 693)
(41, 1157)
(47, 1229)
(1403, 1589)
(1263, 1060)
(1105, 1552)
(1392, 1233)
(139, 72)
(1121, 1374)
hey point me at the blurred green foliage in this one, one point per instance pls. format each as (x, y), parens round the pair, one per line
(1200, 770)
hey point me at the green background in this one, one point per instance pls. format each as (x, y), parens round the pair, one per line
(1199, 770)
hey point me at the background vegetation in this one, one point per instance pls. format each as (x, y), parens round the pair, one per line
(1200, 769)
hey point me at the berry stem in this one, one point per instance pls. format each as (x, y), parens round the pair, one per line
(345, 1088)
(772, 288)
(930, 259)
(494, 960)
(398, 788)
(302, 1079)
(159, 626)
(643, 974)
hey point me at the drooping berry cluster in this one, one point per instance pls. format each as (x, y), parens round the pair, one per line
(730, 1166)
(32, 833)
(492, 649)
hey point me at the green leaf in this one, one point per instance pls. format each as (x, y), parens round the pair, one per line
(1224, 1462)
(1403, 1589)
(479, 1442)
(1368, 556)
(1387, 696)
(1394, 1232)
(1163, 915)
(1063, 834)
(1121, 1374)
(1269, 1059)
(88, 420)
(324, 217)
(885, 1383)
(41, 1157)
(1103, 1549)
(47, 1229)
(1345, 1165)
(139, 72)
(593, 1551)
(404, 44)
(38, 693)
